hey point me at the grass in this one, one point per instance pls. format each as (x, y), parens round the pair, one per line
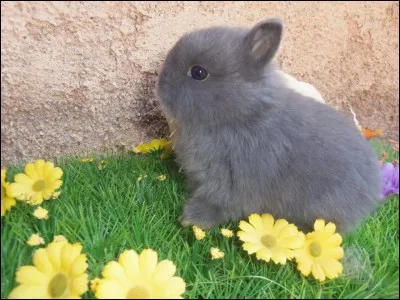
(109, 211)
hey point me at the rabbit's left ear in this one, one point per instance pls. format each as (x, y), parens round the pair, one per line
(261, 44)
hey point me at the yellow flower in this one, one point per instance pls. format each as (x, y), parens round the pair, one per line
(199, 233)
(167, 150)
(59, 271)
(59, 238)
(158, 144)
(142, 148)
(162, 177)
(227, 233)
(270, 239)
(40, 181)
(140, 178)
(154, 145)
(94, 283)
(41, 213)
(140, 277)
(216, 253)
(35, 240)
(6, 200)
(321, 252)
(89, 159)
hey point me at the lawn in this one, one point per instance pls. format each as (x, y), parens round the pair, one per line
(109, 211)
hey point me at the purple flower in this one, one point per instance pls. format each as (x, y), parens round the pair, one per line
(390, 179)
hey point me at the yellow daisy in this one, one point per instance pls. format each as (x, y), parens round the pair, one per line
(40, 182)
(216, 253)
(41, 213)
(227, 233)
(59, 238)
(35, 240)
(154, 145)
(59, 271)
(270, 239)
(321, 252)
(198, 233)
(142, 148)
(140, 277)
(158, 144)
(162, 177)
(6, 200)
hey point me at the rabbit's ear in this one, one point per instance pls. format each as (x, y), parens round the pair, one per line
(261, 44)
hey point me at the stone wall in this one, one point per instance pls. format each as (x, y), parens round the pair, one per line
(78, 77)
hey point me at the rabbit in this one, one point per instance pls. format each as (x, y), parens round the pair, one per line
(301, 87)
(248, 143)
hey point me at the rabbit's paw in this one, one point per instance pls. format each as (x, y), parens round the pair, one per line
(201, 214)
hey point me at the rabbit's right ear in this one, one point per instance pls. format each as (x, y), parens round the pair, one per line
(261, 45)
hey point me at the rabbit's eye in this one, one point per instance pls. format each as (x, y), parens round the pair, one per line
(198, 73)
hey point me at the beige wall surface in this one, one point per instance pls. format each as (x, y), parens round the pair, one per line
(80, 76)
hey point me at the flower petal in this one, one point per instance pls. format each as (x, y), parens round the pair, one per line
(31, 171)
(39, 164)
(335, 240)
(280, 224)
(278, 257)
(79, 284)
(264, 254)
(24, 179)
(55, 174)
(54, 254)
(330, 228)
(252, 248)
(164, 270)
(25, 291)
(42, 261)
(30, 275)
(110, 289)
(114, 271)
(79, 266)
(129, 260)
(256, 221)
(304, 267)
(336, 253)
(243, 225)
(268, 221)
(317, 272)
(36, 199)
(174, 287)
(147, 262)
(20, 191)
(319, 225)
(47, 168)
(69, 253)
(246, 236)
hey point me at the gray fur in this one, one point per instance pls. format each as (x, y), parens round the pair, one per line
(248, 144)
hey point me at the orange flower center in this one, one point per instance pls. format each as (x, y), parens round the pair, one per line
(58, 285)
(268, 241)
(315, 249)
(139, 292)
(39, 185)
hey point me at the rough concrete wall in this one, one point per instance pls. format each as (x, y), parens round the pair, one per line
(79, 76)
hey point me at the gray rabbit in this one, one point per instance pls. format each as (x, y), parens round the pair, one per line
(249, 144)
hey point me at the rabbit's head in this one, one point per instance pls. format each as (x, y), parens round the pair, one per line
(214, 75)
